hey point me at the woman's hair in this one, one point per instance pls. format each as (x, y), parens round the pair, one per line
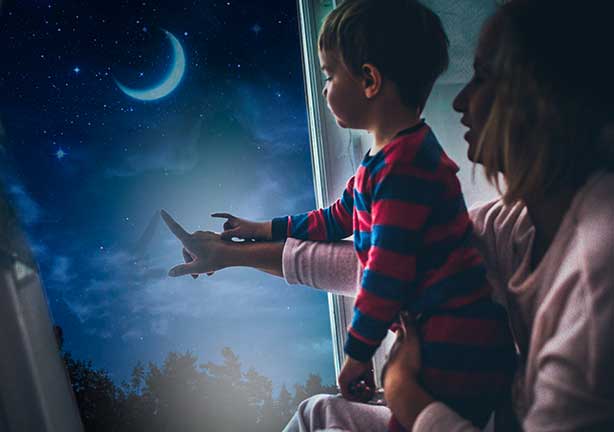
(404, 39)
(553, 96)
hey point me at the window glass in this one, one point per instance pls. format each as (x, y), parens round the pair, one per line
(115, 110)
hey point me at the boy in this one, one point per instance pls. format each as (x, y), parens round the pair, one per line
(405, 208)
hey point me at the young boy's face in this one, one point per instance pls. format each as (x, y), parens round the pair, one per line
(343, 92)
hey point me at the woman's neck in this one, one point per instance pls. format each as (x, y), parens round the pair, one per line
(547, 215)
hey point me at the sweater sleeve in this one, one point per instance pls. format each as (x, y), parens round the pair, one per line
(331, 266)
(400, 206)
(329, 224)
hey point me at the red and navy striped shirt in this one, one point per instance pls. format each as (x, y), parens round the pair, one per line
(412, 236)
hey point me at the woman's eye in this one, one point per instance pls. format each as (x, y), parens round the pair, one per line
(327, 78)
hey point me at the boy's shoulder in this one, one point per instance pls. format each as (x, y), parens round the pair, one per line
(420, 150)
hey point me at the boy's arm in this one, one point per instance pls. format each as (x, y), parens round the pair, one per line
(329, 224)
(401, 205)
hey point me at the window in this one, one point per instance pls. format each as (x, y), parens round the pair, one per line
(114, 110)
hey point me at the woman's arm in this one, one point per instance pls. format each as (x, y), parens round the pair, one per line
(410, 404)
(331, 267)
(264, 256)
(572, 371)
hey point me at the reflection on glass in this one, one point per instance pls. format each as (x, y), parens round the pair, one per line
(114, 110)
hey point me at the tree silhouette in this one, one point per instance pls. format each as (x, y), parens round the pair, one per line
(99, 399)
(181, 396)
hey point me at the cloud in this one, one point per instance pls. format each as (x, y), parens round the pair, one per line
(280, 121)
(61, 271)
(39, 249)
(29, 210)
(83, 311)
(160, 327)
(271, 197)
(176, 150)
(132, 334)
(313, 346)
(141, 293)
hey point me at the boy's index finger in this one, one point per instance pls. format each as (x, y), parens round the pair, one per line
(175, 228)
(222, 215)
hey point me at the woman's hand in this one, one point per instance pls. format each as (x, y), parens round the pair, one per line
(203, 251)
(404, 395)
(243, 228)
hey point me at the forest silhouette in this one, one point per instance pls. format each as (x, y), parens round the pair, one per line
(183, 395)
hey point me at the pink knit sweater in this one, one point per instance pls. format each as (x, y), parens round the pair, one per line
(562, 313)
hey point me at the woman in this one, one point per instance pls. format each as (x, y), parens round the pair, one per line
(537, 110)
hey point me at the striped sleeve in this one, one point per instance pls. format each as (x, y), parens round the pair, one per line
(329, 224)
(401, 205)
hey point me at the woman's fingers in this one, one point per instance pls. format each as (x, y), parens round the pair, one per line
(183, 269)
(175, 228)
(187, 256)
(229, 234)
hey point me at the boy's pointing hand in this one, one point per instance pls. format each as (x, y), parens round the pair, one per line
(243, 228)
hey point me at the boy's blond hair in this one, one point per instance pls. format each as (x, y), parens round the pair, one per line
(404, 39)
(553, 98)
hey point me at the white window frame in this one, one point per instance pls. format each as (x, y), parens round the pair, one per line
(335, 156)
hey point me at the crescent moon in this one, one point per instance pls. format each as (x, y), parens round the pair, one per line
(169, 83)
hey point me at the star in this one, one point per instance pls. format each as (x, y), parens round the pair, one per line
(60, 154)
(77, 69)
(256, 28)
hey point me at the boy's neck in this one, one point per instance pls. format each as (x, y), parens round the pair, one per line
(389, 123)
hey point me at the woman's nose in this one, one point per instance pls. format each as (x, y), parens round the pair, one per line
(324, 91)
(460, 101)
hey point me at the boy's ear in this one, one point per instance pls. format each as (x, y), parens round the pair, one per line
(372, 80)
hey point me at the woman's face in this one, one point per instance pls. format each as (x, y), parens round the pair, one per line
(475, 100)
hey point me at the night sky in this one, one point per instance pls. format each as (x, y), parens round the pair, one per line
(89, 167)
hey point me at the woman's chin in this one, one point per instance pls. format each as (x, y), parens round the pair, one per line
(341, 123)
